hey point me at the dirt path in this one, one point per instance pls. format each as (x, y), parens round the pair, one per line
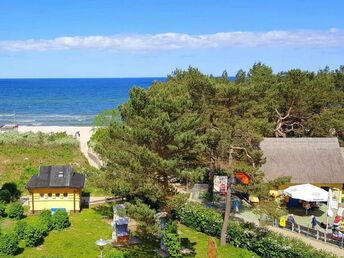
(84, 135)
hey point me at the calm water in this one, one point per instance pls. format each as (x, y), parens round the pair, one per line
(62, 101)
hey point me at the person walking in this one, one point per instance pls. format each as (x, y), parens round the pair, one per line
(314, 222)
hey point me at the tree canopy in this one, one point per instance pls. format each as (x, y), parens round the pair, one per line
(194, 124)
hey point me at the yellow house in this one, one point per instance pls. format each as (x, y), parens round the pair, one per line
(55, 187)
(318, 161)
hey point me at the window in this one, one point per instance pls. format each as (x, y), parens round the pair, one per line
(50, 195)
(65, 195)
(57, 195)
(41, 195)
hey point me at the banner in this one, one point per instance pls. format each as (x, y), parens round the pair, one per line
(220, 184)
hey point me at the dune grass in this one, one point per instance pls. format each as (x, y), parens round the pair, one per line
(19, 160)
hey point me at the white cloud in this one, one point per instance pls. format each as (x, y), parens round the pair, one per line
(169, 41)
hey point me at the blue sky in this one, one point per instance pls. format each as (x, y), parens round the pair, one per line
(108, 38)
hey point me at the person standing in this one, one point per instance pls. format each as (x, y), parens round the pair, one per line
(314, 221)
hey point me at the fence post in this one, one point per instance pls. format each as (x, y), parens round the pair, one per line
(307, 235)
(292, 227)
(299, 228)
(325, 236)
(341, 245)
(317, 234)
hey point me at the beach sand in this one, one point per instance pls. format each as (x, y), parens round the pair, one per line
(84, 131)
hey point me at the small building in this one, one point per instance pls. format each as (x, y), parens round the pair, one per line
(56, 187)
(318, 161)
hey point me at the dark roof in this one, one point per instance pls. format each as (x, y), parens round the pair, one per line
(55, 177)
(306, 160)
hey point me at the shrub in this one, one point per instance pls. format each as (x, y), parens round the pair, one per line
(246, 235)
(60, 220)
(2, 209)
(8, 244)
(15, 210)
(13, 189)
(172, 241)
(5, 196)
(34, 234)
(19, 230)
(45, 218)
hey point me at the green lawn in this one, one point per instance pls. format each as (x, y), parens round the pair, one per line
(199, 242)
(88, 226)
(76, 241)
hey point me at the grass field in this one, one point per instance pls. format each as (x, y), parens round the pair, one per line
(88, 226)
(18, 162)
(199, 242)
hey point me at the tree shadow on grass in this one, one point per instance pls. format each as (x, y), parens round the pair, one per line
(186, 243)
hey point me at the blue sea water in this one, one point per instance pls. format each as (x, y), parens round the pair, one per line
(62, 101)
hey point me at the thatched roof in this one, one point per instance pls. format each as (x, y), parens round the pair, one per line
(306, 160)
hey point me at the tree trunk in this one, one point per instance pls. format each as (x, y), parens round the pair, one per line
(226, 218)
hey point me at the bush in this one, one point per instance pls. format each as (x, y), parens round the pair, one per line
(34, 234)
(8, 244)
(2, 209)
(60, 220)
(19, 230)
(246, 235)
(5, 196)
(45, 218)
(15, 210)
(172, 241)
(13, 189)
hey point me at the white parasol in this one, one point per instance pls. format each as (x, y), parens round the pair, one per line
(307, 192)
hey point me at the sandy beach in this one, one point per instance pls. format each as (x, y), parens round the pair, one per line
(85, 133)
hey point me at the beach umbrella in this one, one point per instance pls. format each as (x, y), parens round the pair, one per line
(307, 192)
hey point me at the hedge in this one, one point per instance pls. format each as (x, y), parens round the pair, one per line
(60, 220)
(246, 235)
(8, 244)
(15, 210)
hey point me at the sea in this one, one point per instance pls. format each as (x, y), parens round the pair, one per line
(63, 102)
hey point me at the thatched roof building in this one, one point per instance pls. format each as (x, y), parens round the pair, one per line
(306, 160)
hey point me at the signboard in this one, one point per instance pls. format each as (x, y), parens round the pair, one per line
(335, 198)
(220, 184)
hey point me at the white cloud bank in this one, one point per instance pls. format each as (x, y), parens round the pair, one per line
(169, 41)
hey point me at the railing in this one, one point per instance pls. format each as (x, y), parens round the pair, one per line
(315, 233)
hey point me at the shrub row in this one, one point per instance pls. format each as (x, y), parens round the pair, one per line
(33, 234)
(14, 210)
(246, 235)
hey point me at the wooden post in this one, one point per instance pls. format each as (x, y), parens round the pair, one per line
(292, 227)
(33, 204)
(317, 234)
(74, 199)
(325, 234)
(299, 228)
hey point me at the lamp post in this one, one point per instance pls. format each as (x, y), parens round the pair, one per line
(101, 243)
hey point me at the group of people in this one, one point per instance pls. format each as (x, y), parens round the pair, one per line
(291, 220)
(336, 226)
